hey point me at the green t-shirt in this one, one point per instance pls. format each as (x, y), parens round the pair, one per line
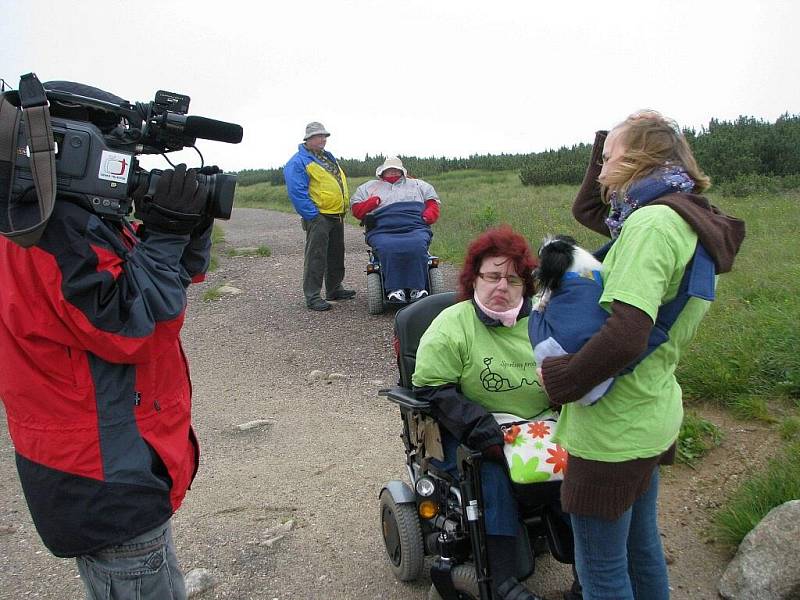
(641, 415)
(493, 365)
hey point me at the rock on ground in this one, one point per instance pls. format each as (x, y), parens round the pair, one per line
(767, 564)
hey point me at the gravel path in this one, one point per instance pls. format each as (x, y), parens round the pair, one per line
(316, 463)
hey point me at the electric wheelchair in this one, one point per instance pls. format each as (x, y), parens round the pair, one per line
(377, 300)
(376, 290)
(441, 516)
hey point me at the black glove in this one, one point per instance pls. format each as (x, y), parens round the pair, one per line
(210, 170)
(203, 228)
(177, 205)
(494, 453)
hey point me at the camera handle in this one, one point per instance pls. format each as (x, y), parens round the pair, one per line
(41, 152)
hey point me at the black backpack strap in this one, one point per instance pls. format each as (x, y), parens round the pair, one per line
(41, 155)
(698, 281)
(9, 130)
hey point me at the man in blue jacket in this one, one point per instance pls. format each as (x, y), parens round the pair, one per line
(317, 187)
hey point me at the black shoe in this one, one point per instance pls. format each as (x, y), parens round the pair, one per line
(341, 294)
(512, 589)
(575, 592)
(319, 305)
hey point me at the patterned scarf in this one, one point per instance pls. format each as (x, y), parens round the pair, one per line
(668, 179)
(330, 166)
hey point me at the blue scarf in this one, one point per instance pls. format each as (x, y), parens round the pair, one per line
(668, 179)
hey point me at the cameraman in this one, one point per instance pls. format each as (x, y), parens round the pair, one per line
(94, 380)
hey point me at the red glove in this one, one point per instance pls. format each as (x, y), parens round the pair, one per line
(361, 209)
(431, 211)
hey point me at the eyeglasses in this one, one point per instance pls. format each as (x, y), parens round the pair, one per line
(495, 277)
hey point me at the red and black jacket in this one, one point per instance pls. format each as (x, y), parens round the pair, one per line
(93, 377)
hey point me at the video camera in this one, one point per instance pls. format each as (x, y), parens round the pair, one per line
(98, 136)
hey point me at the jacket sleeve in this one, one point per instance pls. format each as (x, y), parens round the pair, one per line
(428, 192)
(588, 208)
(297, 187)
(467, 421)
(621, 340)
(196, 256)
(364, 191)
(123, 304)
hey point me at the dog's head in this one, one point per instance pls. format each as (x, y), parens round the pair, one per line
(561, 254)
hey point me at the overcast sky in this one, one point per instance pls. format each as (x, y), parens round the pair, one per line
(433, 77)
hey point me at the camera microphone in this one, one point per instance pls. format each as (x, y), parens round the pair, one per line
(211, 129)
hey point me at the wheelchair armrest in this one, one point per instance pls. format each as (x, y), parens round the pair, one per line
(405, 398)
(369, 222)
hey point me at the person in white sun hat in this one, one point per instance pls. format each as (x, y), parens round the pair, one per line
(398, 211)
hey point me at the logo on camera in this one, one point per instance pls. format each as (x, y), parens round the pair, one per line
(114, 166)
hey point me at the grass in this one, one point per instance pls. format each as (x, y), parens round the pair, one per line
(696, 438)
(790, 428)
(779, 482)
(217, 238)
(747, 407)
(262, 250)
(749, 347)
(213, 294)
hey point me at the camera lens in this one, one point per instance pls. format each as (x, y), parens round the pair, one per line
(222, 189)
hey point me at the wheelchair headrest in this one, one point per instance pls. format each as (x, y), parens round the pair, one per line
(410, 323)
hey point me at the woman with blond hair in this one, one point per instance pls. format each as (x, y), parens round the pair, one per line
(641, 189)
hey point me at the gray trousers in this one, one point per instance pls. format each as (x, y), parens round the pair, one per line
(143, 568)
(324, 255)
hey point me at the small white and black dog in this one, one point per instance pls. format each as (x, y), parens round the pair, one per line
(560, 255)
(568, 312)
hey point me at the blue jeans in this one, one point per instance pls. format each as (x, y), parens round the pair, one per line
(622, 559)
(143, 568)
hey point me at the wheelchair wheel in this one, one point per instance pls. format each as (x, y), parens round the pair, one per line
(437, 281)
(465, 580)
(402, 537)
(375, 302)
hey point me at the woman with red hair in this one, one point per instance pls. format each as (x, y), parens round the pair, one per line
(476, 359)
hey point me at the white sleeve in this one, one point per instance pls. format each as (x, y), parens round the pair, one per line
(361, 194)
(427, 191)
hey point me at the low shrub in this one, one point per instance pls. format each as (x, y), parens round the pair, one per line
(697, 436)
(776, 483)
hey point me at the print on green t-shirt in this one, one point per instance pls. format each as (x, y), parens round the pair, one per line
(494, 382)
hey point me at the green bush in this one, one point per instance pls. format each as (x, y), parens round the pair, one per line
(753, 184)
(747, 146)
(565, 165)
